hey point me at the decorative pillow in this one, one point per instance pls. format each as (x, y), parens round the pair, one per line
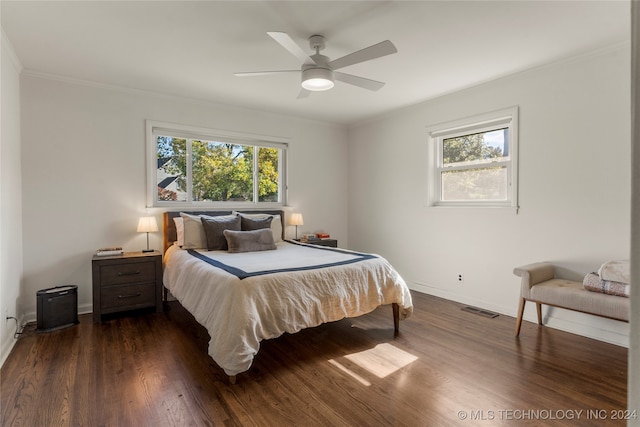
(248, 224)
(179, 222)
(276, 223)
(214, 226)
(250, 241)
(194, 237)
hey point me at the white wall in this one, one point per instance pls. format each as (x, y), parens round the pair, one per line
(10, 195)
(83, 156)
(574, 189)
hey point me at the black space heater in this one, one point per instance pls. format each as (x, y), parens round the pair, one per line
(57, 308)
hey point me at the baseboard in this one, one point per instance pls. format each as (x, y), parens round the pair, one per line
(6, 349)
(10, 342)
(82, 309)
(594, 327)
(617, 333)
(452, 296)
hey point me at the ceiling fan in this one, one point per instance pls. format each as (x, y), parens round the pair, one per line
(318, 71)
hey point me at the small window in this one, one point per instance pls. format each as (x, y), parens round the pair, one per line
(475, 162)
(195, 167)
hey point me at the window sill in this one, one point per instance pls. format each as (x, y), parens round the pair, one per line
(216, 205)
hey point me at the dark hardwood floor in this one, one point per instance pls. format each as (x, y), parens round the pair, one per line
(447, 367)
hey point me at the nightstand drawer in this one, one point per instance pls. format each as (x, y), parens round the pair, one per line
(127, 297)
(133, 272)
(332, 243)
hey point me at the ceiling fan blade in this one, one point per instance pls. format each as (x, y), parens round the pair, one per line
(288, 43)
(372, 52)
(304, 93)
(264, 73)
(358, 81)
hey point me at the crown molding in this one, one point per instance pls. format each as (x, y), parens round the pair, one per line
(620, 46)
(169, 97)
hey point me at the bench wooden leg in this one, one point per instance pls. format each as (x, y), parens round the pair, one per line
(520, 313)
(539, 310)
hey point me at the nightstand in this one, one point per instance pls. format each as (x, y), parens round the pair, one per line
(126, 282)
(322, 242)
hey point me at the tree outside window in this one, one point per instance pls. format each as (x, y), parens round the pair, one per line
(473, 168)
(475, 161)
(218, 171)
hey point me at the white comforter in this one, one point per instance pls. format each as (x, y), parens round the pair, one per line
(276, 297)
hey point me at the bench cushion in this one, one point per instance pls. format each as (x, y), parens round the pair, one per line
(572, 295)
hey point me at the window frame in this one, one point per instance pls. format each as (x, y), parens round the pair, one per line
(157, 128)
(505, 118)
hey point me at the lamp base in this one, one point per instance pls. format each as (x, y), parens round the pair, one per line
(147, 250)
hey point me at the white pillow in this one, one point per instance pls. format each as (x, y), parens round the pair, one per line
(276, 223)
(179, 222)
(194, 236)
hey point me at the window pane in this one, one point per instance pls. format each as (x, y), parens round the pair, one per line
(195, 168)
(171, 168)
(268, 174)
(482, 147)
(475, 184)
(221, 172)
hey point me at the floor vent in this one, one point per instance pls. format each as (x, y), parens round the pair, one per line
(480, 312)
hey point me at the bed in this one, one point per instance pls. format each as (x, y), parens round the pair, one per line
(243, 294)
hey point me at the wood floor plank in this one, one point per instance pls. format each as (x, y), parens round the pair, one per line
(152, 369)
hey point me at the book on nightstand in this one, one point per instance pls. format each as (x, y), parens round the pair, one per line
(110, 251)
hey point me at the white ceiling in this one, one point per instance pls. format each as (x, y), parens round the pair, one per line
(191, 49)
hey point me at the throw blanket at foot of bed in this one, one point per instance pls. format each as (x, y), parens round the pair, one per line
(244, 298)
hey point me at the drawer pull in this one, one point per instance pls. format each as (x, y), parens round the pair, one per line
(129, 296)
(128, 273)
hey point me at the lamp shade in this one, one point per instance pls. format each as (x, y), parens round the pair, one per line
(296, 219)
(147, 224)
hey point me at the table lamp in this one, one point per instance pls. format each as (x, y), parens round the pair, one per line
(296, 219)
(147, 224)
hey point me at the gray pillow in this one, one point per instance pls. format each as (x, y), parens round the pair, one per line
(214, 228)
(250, 241)
(247, 224)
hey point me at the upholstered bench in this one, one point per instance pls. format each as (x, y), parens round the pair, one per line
(540, 285)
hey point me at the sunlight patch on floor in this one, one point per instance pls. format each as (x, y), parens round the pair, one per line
(381, 361)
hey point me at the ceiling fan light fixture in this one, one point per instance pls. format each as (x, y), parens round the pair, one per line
(317, 79)
(317, 70)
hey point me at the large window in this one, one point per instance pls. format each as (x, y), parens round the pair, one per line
(198, 167)
(475, 161)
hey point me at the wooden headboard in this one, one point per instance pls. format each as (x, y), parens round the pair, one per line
(169, 226)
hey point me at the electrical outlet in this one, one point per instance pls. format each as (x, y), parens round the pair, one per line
(460, 278)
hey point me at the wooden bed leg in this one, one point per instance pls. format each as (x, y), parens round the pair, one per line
(520, 313)
(396, 318)
(232, 379)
